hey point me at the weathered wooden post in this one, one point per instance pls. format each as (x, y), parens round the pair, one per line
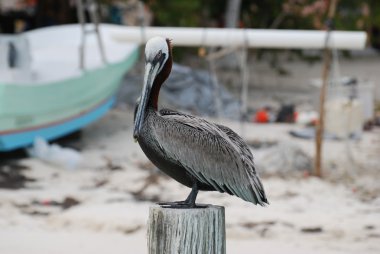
(185, 231)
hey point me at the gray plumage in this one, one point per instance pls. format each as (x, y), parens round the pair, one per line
(195, 152)
(214, 155)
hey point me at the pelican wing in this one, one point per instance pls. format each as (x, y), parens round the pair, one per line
(213, 154)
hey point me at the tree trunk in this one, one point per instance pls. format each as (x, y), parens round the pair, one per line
(232, 13)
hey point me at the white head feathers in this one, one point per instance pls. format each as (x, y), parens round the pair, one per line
(154, 48)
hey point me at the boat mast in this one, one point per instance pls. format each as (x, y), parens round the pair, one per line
(92, 8)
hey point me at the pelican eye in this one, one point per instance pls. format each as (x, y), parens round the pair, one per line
(158, 57)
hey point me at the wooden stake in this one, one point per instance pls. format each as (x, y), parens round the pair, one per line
(185, 231)
(322, 96)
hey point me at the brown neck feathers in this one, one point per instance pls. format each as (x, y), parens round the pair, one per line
(161, 77)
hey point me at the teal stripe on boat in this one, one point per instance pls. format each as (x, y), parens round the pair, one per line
(13, 141)
(23, 106)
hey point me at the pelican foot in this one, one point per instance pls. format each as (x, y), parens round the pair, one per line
(173, 203)
(180, 205)
(189, 202)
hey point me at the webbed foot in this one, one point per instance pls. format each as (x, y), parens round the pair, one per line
(180, 205)
(188, 203)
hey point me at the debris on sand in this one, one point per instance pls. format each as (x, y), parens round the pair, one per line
(312, 230)
(46, 207)
(283, 158)
(55, 154)
(12, 177)
(132, 230)
(255, 224)
(260, 144)
(65, 204)
(152, 179)
(111, 165)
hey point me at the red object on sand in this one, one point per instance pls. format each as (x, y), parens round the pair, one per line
(262, 116)
(295, 115)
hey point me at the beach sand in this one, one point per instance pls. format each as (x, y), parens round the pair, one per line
(115, 185)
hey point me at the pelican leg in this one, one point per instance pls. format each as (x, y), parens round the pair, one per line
(189, 202)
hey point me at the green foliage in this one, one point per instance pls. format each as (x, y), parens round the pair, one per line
(183, 13)
(285, 14)
(279, 14)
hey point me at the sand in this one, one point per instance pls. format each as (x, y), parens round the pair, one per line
(115, 185)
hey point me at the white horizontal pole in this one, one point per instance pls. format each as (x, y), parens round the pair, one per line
(252, 38)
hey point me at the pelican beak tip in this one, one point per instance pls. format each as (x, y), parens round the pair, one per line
(135, 137)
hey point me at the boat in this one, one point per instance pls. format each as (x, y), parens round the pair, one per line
(48, 90)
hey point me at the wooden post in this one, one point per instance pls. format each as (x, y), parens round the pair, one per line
(185, 231)
(322, 97)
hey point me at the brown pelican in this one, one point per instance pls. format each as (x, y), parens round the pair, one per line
(196, 153)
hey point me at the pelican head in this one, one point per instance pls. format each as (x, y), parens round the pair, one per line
(157, 52)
